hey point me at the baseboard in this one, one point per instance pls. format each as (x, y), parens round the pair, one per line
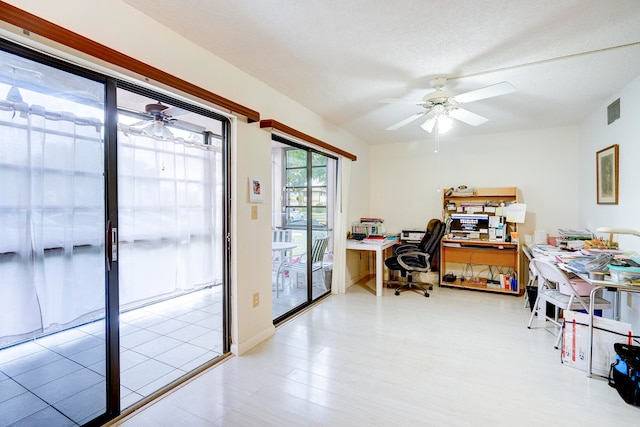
(243, 347)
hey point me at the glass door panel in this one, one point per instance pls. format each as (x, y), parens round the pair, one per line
(302, 274)
(170, 207)
(52, 245)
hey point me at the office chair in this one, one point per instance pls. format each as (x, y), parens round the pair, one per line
(555, 287)
(409, 259)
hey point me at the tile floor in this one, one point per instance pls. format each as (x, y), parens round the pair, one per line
(458, 358)
(59, 380)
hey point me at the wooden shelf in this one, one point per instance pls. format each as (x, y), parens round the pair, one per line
(478, 286)
(482, 252)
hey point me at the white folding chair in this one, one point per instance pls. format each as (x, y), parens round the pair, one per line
(533, 274)
(555, 287)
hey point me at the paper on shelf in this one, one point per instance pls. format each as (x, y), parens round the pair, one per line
(516, 212)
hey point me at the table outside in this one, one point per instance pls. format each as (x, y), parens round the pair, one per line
(280, 249)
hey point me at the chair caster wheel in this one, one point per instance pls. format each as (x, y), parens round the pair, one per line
(397, 292)
(426, 295)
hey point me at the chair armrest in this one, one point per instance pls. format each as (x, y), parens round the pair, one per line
(420, 261)
(403, 248)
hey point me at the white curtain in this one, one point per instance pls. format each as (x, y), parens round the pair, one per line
(170, 222)
(51, 220)
(341, 227)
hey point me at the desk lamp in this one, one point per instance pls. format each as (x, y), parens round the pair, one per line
(617, 230)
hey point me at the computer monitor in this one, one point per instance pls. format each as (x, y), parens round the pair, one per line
(469, 223)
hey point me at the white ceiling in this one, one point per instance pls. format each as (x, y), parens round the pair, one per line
(339, 58)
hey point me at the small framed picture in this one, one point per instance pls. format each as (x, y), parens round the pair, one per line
(607, 175)
(256, 191)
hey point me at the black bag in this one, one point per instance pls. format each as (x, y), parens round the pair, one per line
(624, 374)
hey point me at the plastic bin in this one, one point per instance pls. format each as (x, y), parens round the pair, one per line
(624, 274)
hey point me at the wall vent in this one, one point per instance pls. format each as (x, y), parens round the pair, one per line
(613, 111)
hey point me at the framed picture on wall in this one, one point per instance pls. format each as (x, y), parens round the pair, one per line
(607, 175)
(256, 192)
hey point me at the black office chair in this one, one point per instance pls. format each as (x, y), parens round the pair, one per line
(420, 258)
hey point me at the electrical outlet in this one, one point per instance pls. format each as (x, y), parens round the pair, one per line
(256, 299)
(629, 299)
(254, 212)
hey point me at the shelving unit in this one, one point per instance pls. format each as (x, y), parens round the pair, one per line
(480, 260)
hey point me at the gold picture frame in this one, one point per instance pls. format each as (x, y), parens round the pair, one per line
(607, 175)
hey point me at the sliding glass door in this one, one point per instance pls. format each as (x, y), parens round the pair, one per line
(113, 240)
(171, 240)
(304, 183)
(52, 244)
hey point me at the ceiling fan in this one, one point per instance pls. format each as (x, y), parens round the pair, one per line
(160, 117)
(444, 106)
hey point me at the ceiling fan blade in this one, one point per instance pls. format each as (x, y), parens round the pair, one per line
(497, 89)
(140, 123)
(467, 117)
(181, 124)
(400, 101)
(174, 112)
(406, 121)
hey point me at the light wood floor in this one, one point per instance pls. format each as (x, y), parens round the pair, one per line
(458, 358)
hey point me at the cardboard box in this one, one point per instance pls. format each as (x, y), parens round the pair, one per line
(575, 341)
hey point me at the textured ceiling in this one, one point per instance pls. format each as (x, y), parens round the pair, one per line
(339, 58)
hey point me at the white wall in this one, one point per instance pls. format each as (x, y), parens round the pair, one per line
(120, 27)
(596, 134)
(398, 182)
(406, 178)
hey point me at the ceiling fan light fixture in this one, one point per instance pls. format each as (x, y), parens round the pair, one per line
(444, 122)
(429, 124)
(157, 130)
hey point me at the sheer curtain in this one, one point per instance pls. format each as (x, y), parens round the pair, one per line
(51, 220)
(170, 231)
(341, 226)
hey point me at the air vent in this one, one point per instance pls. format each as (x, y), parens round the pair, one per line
(613, 111)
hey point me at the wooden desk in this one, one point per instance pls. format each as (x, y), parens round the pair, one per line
(355, 245)
(479, 252)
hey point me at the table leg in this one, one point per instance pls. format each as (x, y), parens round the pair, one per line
(379, 272)
(592, 297)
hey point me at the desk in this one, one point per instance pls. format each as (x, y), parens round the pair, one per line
(355, 245)
(479, 252)
(599, 285)
(550, 254)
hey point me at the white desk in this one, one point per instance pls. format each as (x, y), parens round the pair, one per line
(356, 245)
(598, 285)
(611, 286)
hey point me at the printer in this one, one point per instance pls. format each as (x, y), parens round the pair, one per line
(412, 235)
